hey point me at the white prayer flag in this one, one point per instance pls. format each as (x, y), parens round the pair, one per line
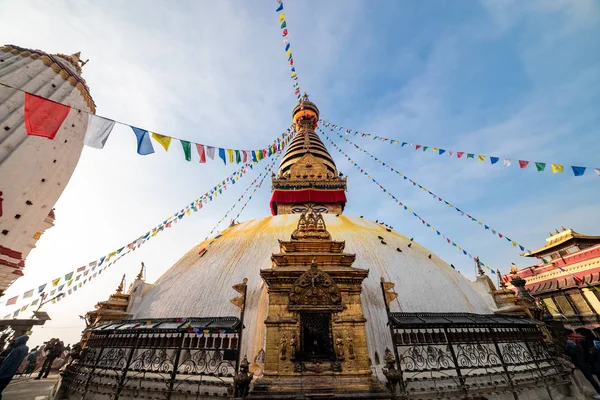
(507, 162)
(210, 152)
(597, 171)
(97, 132)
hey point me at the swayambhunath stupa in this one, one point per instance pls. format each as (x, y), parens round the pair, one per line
(306, 303)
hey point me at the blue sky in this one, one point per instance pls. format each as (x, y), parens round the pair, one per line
(506, 78)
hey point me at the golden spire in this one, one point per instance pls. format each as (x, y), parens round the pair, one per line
(479, 269)
(121, 285)
(141, 274)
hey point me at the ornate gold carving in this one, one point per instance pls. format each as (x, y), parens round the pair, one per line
(293, 346)
(350, 346)
(282, 347)
(339, 347)
(315, 289)
(311, 226)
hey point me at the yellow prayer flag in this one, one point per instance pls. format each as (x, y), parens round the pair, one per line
(70, 282)
(165, 141)
(110, 255)
(230, 154)
(281, 17)
(434, 149)
(287, 53)
(514, 244)
(480, 157)
(557, 168)
(55, 282)
(24, 308)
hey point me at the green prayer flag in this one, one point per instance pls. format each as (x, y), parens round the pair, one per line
(425, 148)
(540, 166)
(471, 155)
(187, 149)
(68, 276)
(283, 25)
(238, 157)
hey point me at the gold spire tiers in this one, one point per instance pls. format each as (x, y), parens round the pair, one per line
(307, 175)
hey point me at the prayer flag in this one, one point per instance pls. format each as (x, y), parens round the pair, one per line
(281, 17)
(35, 302)
(222, 155)
(15, 314)
(459, 154)
(68, 276)
(200, 149)
(471, 155)
(60, 288)
(187, 149)
(556, 168)
(210, 152)
(43, 117)
(55, 282)
(80, 269)
(245, 156)
(417, 147)
(283, 24)
(144, 145)
(280, 7)
(494, 160)
(70, 282)
(523, 163)
(284, 33)
(12, 300)
(230, 155)
(41, 288)
(238, 158)
(578, 171)
(540, 166)
(98, 130)
(441, 151)
(480, 157)
(507, 162)
(28, 294)
(164, 141)
(597, 171)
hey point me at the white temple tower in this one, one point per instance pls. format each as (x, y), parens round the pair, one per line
(35, 170)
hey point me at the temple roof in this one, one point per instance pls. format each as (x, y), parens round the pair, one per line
(560, 238)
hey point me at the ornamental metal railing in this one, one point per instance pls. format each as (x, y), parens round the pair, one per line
(461, 355)
(158, 358)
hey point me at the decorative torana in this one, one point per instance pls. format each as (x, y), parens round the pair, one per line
(315, 289)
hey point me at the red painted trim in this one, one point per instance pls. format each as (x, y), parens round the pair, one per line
(5, 251)
(303, 195)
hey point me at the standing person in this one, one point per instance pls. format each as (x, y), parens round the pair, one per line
(575, 352)
(32, 361)
(13, 360)
(52, 353)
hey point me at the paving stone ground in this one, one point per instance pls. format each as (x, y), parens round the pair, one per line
(26, 388)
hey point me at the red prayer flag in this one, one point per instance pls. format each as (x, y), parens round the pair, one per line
(43, 117)
(201, 153)
(80, 269)
(523, 163)
(245, 156)
(417, 147)
(12, 301)
(459, 154)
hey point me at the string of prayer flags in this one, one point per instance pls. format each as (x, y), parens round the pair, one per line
(44, 117)
(435, 196)
(400, 203)
(539, 166)
(114, 256)
(288, 49)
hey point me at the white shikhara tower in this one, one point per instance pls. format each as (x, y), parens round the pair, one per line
(35, 170)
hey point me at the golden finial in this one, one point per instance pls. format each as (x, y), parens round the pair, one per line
(121, 285)
(141, 274)
(513, 269)
(563, 228)
(556, 231)
(500, 280)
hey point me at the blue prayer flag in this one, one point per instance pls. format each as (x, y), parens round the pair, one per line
(494, 160)
(144, 145)
(578, 171)
(441, 151)
(280, 7)
(222, 155)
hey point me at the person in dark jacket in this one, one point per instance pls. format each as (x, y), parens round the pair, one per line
(32, 361)
(575, 352)
(12, 362)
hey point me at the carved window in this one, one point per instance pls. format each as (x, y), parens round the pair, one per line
(552, 308)
(564, 305)
(580, 303)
